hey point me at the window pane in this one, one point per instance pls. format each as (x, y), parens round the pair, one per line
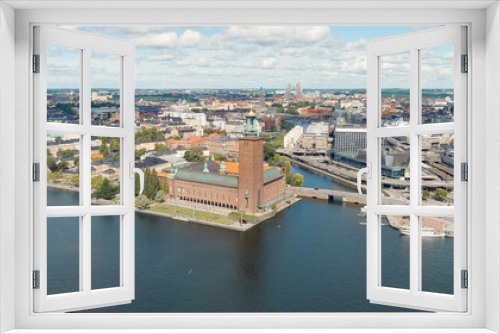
(395, 86)
(105, 170)
(63, 84)
(437, 254)
(437, 169)
(63, 169)
(63, 255)
(395, 171)
(437, 75)
(105, 85)
(395, 251)
(105, 252)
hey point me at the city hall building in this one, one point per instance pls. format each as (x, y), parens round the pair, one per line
(247, 185)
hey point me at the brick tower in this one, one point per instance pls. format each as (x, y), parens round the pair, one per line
(251, 174)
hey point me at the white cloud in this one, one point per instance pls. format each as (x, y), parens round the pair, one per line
(201, 62)
(269, 56)
(267, 35)
(356, 46)
(170, 39)
(269, 63)
(296, 52)
(356, 65)
(189, 38)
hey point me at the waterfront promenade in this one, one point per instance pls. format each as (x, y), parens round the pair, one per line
(347, 175)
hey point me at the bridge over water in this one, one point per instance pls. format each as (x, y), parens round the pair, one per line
(338, 196)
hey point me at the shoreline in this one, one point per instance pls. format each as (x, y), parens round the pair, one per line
(63, 187)
(439, 225)
(335, 177)
(236, 226)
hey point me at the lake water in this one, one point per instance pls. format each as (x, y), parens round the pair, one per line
(309, 258)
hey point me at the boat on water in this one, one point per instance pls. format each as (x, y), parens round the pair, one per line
(427, 232)
(362, 212)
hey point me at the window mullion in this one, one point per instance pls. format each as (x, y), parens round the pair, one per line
(414, 180)
(85, 172)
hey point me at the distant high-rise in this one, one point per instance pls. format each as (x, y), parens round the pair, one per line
(299, 93)
(262, 101)
(288, 92)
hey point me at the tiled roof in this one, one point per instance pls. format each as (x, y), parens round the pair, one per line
(234, 167)
(207, 178)
(272, 174)
(213, 167)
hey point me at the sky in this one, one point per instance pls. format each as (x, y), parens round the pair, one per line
(319, 57)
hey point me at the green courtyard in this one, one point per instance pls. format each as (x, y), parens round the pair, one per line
(192, 214)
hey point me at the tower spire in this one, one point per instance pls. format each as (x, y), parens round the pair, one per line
(251, 123)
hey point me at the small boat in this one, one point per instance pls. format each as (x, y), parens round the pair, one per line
(427, 232)
(362, 212)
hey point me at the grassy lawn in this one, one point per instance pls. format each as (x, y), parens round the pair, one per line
(245, 216)
(191, 213)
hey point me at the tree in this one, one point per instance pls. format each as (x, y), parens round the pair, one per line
(269, 151)
(297, 180)
(426, 195)
(62, 165)
(223, 133)
(220, 157)
(286, 126)
(266, 136)
(149, 135)
(114, 145)
(137, 184)
(142, 202)
(116, 157)
(441, 194)
(67, 154)
(75, 179)
(103, 149)
(277, 160)
(274, 128)
(139, 153)
(107, 190)
(279, 141)
(288, 171)
(96, 181)
(208, 131)
(160, 147)
(151, 184)
(160, 196)
(76, 163)
(51, 163)
(194, 155)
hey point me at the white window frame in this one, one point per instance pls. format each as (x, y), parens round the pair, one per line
(483, 307)
(123, 50)
(412, 44)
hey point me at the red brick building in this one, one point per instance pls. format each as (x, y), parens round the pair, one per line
(269, 122)
(247, 186)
